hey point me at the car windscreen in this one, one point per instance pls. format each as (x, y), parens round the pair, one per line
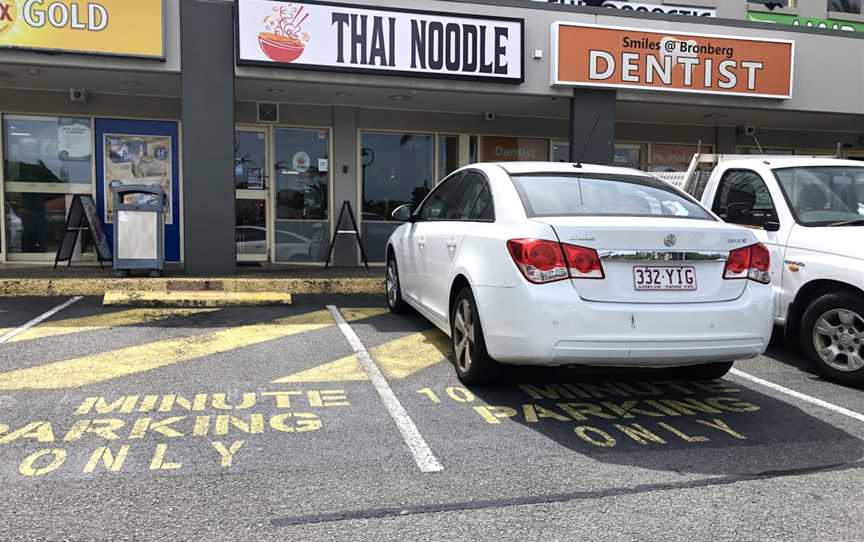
(556, 195)
(824, 195)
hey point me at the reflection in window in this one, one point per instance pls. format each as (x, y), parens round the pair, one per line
(845, 6)
(47, 149)
(250, 160)
(302, 174)
(397, 169)
(34, 222)
(448, 155)
(302, 177)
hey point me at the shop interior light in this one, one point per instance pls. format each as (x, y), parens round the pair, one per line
(275, 90)
(400, 98)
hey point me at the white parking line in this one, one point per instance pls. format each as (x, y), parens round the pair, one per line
(798, 395)
(423, 455)
(42, 317)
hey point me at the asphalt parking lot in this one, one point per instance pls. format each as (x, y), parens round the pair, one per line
(333, 419)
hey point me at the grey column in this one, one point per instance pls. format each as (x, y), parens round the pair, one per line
(207, 56)
(345, 184)
(586, 108)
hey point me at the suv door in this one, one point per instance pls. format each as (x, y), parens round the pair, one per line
(429, 219)
(743, 198)
(446, 240)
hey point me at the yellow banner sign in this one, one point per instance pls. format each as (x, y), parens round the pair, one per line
(111, 27)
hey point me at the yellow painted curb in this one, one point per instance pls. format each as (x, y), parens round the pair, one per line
(194, 299)
(100, 285)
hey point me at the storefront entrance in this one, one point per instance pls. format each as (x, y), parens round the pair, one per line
(252, 191)
(282, 183)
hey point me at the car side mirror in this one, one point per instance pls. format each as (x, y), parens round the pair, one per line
(405, 213)
(772, 226)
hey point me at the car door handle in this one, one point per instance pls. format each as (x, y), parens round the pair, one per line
(421, 241)
(451, 244)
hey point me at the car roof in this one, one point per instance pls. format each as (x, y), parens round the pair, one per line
(778, 162)
(527, 168)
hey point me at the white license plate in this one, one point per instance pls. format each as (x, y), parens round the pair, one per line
(664, 278)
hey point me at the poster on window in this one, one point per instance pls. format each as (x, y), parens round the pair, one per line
(137, 159)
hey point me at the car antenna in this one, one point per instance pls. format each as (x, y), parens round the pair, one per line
(587, 142)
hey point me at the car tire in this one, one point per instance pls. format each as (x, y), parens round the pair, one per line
(707, 371)
(832, 336)
(473, 364)
(394, 288)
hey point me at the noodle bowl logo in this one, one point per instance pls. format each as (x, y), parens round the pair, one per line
(7, 15)
(284, 39)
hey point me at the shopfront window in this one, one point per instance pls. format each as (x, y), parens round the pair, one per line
(674, 158)
(626, 155)
(45, 161)
(302, 192)
(250, 160)
(448, 155)
(396, 169)
(513, 149)
(845, 6)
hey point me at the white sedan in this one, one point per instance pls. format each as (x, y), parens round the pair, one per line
(566, 264)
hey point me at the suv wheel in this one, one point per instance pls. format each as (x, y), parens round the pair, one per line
(832, 336)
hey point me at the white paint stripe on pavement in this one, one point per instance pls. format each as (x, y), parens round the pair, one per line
(39, 319)
(423, 455)
(798, 395)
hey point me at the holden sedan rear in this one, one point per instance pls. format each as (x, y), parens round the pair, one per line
(606, 267)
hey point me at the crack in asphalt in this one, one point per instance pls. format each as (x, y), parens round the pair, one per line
(555, 498)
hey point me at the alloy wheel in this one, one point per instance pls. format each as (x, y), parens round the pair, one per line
(392, 283)
(839, 339)
(463, 336)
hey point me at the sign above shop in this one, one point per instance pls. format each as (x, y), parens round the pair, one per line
(106, 27)
(605, 56)
(807, 22)
(339, 37)
(642, 7)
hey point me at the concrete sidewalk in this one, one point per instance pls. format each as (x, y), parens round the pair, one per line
(19, 280)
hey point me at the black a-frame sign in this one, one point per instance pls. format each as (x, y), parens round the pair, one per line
(355, 231)
(82, 216)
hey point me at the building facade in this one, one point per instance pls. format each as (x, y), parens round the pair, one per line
(260, 118)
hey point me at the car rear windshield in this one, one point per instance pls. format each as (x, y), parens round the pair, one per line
(548, 195)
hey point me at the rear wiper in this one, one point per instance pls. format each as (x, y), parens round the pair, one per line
(853, 222)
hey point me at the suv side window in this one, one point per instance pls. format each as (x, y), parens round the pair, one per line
(438, 203)
(743, 198)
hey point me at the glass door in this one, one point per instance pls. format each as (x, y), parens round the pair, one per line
(302, 195)
(46, 161)
(252, 190)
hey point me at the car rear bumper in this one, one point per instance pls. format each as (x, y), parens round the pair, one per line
(550, 325)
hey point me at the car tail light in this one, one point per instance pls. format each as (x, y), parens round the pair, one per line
(584, 263)
(753, 262)
(542, 261)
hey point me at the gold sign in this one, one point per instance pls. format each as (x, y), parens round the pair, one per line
(110, 27)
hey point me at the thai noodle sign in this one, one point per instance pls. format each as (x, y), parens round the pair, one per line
(111, 27)
(614, 57)
(318, 35)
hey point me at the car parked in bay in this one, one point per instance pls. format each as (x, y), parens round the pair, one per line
(809, 212)
(563, 264)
